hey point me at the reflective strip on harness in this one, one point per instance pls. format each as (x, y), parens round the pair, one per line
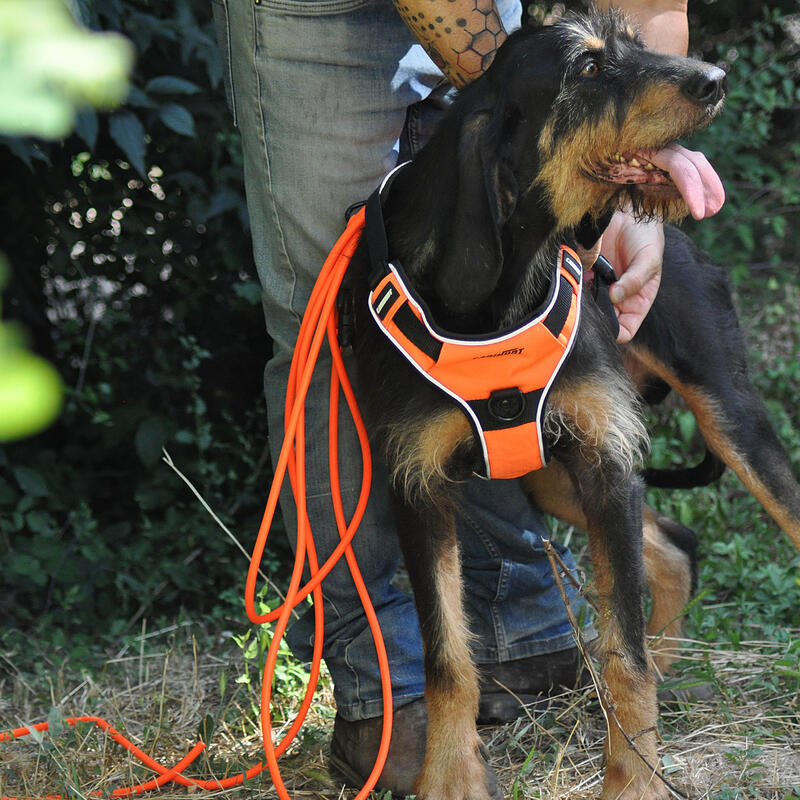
(502, 381)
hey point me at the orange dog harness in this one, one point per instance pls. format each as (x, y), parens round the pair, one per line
(501, 381)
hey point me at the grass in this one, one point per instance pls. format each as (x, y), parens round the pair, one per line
(706, 750)
(166, 688)
(168, 693)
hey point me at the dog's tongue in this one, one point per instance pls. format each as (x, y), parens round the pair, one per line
(694, 178)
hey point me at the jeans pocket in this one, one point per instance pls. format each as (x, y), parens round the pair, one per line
(312, 8)
(487, 579)
(222, 23)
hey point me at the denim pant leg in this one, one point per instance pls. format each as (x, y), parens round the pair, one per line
(514, 605)
(320, 91)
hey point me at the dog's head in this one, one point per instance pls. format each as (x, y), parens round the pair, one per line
(616, 104)
(556, 132)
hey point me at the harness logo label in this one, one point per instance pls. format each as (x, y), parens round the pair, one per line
(512, 351)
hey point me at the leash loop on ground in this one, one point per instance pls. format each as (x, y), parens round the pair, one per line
(318, 323)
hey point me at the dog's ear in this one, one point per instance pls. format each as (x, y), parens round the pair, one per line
(486, 194)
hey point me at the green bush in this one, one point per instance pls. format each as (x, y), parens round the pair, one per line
(754, 144)
(50, 67)
(133, 276)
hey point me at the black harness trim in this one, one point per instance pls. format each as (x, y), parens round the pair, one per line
(558, 315)
(411, 326)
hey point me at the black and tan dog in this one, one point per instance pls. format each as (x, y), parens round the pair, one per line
(553, 136)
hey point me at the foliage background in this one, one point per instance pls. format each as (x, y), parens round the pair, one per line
(132, 274)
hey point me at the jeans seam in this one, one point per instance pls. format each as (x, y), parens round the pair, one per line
(497, 623)
(486, 540)
(354, 672)
(412, 125)
(346, 492)
(264, 136)
(311, 8)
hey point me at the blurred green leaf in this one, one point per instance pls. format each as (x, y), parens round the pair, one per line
(249, 291)
(51, 67)
(31, 481)
(128, 132)
(28, 566)
(688, 426)
(171, 84)
(151, 436)
(87, 127)
(178, 119)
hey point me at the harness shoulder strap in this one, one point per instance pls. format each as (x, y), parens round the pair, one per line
(408, 317)
(375, 231)
(384, 299)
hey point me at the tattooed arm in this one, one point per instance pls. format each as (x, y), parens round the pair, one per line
(664, 23)
(461, 36)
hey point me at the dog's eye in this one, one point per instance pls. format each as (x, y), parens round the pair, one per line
(590, 68)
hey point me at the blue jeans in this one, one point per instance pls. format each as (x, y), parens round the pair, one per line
(323, 92)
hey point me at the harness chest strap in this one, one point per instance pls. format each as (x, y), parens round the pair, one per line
(501, 381)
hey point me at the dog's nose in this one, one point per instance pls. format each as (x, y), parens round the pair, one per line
(708, 85)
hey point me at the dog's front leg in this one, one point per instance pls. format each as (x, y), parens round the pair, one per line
(669, 567)
(632, 762)
(612, 501)
(454, 767)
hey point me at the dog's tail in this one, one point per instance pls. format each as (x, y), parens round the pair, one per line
(710, 469)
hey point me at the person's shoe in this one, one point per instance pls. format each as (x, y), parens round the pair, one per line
(354, 748)
(509, 688)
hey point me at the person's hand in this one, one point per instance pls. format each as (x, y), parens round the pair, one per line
(635, 250)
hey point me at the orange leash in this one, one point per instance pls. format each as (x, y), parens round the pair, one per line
(318, 321)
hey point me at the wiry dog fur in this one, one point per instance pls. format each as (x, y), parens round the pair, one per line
(542, 144)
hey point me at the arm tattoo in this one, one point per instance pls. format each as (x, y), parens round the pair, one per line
(461, 36)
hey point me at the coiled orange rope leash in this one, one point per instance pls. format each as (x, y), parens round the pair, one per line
(319, 320)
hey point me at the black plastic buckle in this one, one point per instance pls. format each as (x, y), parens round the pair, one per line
(604, 276)
(354, 208)
(506, 405)
(603, 269)
(345, 308)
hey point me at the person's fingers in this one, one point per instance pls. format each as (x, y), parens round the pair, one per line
(636, 250)
(632, 282)
(634, 308)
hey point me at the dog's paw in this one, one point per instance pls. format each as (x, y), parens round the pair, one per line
(463, 774)
(633, 793)
(637, 786)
